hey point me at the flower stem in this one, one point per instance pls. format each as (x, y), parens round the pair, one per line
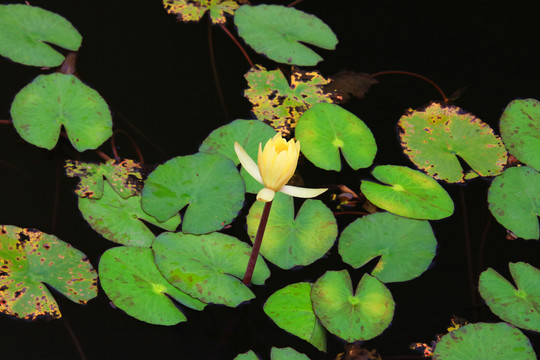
(257, 243)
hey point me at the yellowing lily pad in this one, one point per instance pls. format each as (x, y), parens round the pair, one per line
(30, 258)
(406, 246)
(208, 267)
(51, 101)
(435, 136)
(325, 129)
(280, 33)
(361, 315)
(26, 30)
(410, 193)
(193, 10)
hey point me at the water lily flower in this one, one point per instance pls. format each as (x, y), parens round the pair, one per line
(277, 163)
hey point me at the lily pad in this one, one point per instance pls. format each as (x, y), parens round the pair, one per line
(435, 136)
(411, 193)
(51, 101)
(290, 241)
(325, 129)
(30, 258)
(279, 32)
(514, 200)
(131, 280)
(520, 130)
(26, 30)
(208, 267)
(518, 305)
(406, 246)
(208, 183)
(362, 315)
(291, 309)
(188, 10)
(250, 355)
(120, 220)
(286, 354)
(482, 341)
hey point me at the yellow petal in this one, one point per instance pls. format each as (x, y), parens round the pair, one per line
(247, 162)
(301, 192)
(266, 195)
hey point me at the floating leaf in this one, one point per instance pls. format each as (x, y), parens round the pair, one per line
(286, 354)
(349, 83)
(411, 194)
(290, 241)
(359, 316)
(27, 29)
(518, 305)
(406, 246)
(41, 108)
(482, 341)
(326, 128)
(279, 32)
(30, 258)
(124, 176)
(120, 220)
(208, 267)
(520, 130)
(435, 136)
(208, 183)
(514, 200)
(250, 355)
(193, 10)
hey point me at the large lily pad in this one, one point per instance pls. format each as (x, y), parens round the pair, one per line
(520, 130)
(208, 183)
(481, 341)
(30, 258)
(291, 309)
(120, 220)
(435, 136)
(290, 241)
(518, 305)
(362, 315)
(514, 200)
(325, 129)
(406, 246)
(208, 267)
(51, 101)
(411, 193)
(131, 280)
(279, 32)
(26, 30)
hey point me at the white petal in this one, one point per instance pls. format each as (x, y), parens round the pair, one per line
(266, 195)
(301, 192)
(247, 162)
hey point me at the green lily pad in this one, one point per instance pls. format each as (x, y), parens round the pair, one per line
(514, 200)
(279, 32)
(30, 258)
(286, 354)
(120, 220)
(518, 305)
(208, 267)
(208, 183)
(249, 134)
(26, 30)
(435, 136)
(520, 130)
(326, 128)
(41, 108)
(290, 241)
(250, 355)
(130, 278)
(481, 341)
(291, 309)
(406, 246)
(411, 193)
(352, 316)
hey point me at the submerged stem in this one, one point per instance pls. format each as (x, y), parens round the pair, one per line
(445, 99)
(257, 243)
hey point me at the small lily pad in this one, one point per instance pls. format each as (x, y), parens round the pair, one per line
(411, 193)
(250, 355)
(290, 241)
(362, 315)
(41, 108)
(286, 354)
(208, 267)
(518, 305)
(406, 246)
(325, 129)
(279, 32)
(188, 10)
(291, 309)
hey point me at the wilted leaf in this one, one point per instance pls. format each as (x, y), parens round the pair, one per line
(193, 10)
(345, 84)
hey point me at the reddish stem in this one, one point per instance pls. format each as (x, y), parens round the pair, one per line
(133, 143)
(257, 243)
(237, 44)
(215, 71)
(445, 99)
